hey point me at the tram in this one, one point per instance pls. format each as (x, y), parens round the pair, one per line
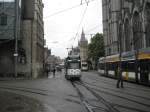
(84, 66)
(73, 67)
(133, 69)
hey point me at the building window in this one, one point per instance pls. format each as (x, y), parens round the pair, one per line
(137, 29)
(3, 19)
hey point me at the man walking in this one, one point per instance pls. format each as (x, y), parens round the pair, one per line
(54, 70)
(120, 78)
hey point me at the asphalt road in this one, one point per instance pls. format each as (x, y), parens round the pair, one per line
(93, 93)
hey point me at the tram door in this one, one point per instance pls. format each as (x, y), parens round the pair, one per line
(144, 72)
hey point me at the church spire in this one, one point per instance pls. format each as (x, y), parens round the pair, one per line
(83, 36)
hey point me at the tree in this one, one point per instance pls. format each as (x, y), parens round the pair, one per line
(96, 48)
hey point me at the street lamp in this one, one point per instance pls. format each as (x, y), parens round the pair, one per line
(16, 37)
(120, 78)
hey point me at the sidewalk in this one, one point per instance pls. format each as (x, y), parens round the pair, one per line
(10, 102)
(55, 94)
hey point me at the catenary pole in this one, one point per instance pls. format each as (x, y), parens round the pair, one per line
(16, 37)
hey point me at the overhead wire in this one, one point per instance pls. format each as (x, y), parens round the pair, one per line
(87, 2)
(81, 21)
(64, 10)
(83, 15)
(97, 26)
(93, 28)
(67, 9)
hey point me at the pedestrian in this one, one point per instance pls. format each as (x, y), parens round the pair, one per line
(54, 70)
(47, 71)
(120, 78)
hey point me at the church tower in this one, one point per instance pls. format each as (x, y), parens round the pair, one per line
(83, 46)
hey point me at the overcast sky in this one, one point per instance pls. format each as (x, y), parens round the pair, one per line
(63, 19)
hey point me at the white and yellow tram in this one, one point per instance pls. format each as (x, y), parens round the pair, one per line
(108, 66)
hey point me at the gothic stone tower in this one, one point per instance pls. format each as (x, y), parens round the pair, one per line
(83, 45)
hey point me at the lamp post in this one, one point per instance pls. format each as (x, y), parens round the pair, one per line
(120, 24)
(16, 37)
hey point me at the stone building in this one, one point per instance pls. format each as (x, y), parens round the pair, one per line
(33, 37)
(83, 46)
(128, 22)
(7, 18)
(53, 61)
(30, 39)
(7, 36)
(126, 28)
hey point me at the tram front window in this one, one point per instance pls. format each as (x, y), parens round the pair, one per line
(74, 65)
(84, 65)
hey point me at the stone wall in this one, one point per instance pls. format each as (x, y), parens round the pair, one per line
(26, 33)
(127, 20)
(7, 9)
(6, 59)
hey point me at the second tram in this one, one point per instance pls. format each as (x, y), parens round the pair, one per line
(84, 66)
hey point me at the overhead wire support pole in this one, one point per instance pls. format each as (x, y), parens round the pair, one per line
(120, 25)
(87, 2)
(16, 38)
(136, 53)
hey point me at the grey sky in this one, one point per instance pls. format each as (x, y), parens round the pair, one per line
(61, 28)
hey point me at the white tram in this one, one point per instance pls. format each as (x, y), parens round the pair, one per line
(73, 67)
(84, 66)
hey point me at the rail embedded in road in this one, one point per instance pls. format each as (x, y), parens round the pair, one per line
(91, 108)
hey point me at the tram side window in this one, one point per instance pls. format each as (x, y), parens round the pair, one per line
(101, 66)
(111, 66)
(131, 66)
(125, 66)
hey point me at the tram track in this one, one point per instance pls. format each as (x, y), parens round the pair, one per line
(107, 82)
(94, 85)
(109, 106)
(114, 104)
(129, 108)
(83, 102)
(110, 83)
(128, 99)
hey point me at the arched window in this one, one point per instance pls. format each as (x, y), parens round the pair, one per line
(3, 19)
(127, 35)
(147, 26)
(137, 29)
